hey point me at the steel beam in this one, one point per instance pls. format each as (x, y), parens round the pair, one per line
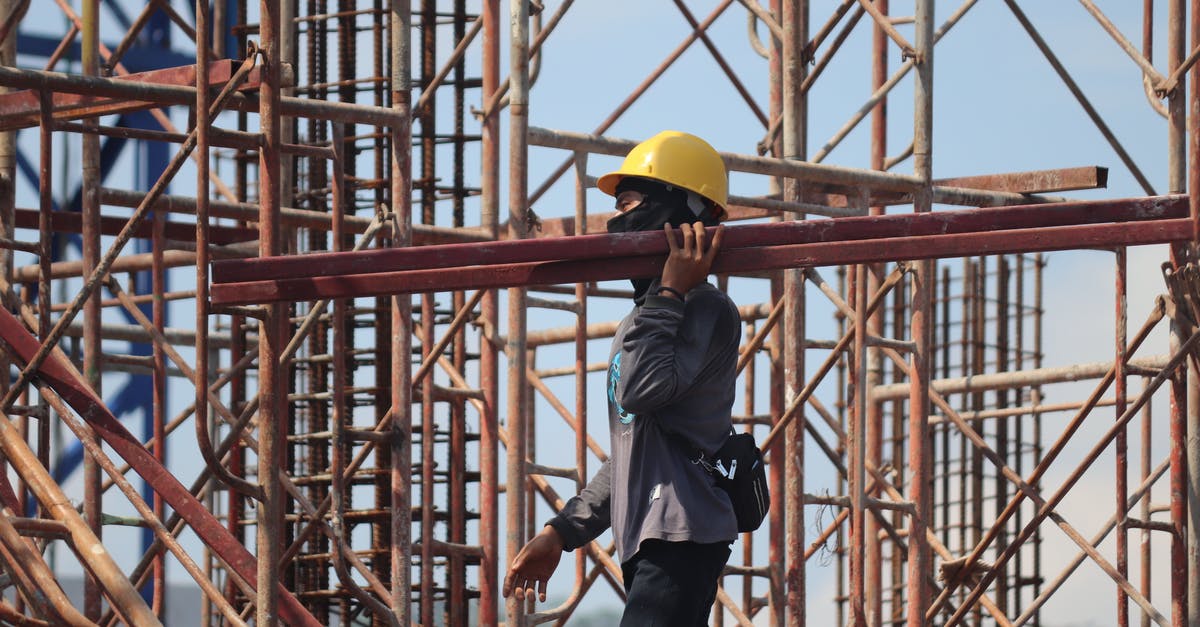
(610, 246)
(639, 253)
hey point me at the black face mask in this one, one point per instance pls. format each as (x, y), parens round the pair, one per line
(650, 215)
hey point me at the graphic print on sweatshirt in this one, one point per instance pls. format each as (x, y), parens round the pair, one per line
(614, 377)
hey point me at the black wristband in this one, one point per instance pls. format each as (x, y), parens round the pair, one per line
(678, 294)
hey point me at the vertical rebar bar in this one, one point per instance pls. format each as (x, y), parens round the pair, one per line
(1178, 432)
(978, 521)
(45, 257)
(425, 470)
(899, 323)
(1035, 399)
(1000, 496)
(159, 395)
(581, 370)
(427, 184)
(1183, 386)
(8, 183)
(380, 531)
(1018, 363)
(1147, 440)
(947, 500)
(874, 409)
(748, 404)
(239, 325)
(1120, 446)
(856, 449)
(1192, 556)
(456, 600)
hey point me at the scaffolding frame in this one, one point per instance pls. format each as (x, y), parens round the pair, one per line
(343, 496)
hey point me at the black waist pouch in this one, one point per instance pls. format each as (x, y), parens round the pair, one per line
(739, 470)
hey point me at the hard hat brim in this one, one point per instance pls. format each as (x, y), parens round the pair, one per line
(608, 182)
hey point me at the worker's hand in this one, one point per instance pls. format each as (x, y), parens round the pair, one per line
(688, 265)
(534, 565)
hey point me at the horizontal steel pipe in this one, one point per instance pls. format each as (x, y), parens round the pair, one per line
(163, 95)
(740, 163)
(819, 173)
(1014, 379)
(219, 138)
(21, 346)
(301, 218)
(125, 263)
(23, 109)
(729, 261)
(72, 222)
(610, 246)
(605, 330)
(817, 200)
(176, 336)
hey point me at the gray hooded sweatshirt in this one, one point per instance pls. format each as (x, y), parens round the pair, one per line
(670, 391)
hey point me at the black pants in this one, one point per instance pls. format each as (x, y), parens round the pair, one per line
(672, 584)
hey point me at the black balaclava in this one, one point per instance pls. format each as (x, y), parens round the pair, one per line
(661, 204)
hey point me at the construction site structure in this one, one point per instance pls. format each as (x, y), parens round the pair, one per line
(306, 305)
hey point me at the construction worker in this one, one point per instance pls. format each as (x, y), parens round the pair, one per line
(670, 393)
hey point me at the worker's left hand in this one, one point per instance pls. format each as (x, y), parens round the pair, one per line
(534, 565)
(688, 264)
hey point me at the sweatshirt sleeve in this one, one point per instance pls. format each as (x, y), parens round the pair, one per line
(668, 347)
(585, 516)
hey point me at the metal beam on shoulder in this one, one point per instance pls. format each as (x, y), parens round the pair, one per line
(609, 246)
(747, 248)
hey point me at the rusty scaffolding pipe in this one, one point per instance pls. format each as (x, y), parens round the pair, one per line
(400, 310)
(792, 108)
(518, 426)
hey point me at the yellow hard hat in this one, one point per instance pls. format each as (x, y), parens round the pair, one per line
(675, 158)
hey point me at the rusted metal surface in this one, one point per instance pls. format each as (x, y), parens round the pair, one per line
(606, 246)
(489, 424)
(400, 311)
(550, 270)
(1034, 182)
(70, 222)
(518, 423)
(920, 466)
(787, 362)
(273, 425)
(1193, 427)
(21, 109)
(92, 356)
(89, 406)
